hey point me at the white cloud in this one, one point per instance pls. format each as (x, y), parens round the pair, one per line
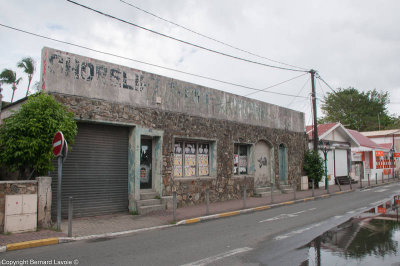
(350, 43)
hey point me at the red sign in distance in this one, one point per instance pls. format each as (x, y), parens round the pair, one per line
(397, 154)
(58, 143)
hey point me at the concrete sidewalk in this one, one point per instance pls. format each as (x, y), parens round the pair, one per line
(124, 222)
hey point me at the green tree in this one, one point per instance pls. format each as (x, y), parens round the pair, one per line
(28, 65)
(26, 136)
(313, 166)
(9, 76)
(362, 111)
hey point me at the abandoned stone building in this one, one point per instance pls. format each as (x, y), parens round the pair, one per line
(142, 136)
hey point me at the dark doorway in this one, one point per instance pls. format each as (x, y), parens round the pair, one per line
(145, 163)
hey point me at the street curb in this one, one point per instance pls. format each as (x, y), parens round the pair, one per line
(31, 244)
(60, 240)
(266, 207)
(79, 238)
(255, 209)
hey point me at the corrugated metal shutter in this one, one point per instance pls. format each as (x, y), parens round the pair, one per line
(95, 173)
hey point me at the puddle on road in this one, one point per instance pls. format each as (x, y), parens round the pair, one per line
(371, 238)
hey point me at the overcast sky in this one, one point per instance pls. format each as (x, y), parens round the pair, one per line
(349, 43)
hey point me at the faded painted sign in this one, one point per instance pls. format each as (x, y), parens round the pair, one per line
(73, 74)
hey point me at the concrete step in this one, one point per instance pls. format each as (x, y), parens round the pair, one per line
(267, 194)
(147, 194)
(147, 209)
(259, 190)
(148, 202)
(286, 189)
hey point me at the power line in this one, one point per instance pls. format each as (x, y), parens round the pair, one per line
(264, 90)
(299, 92)
(320, 86)
(143, 62)
(279, 93)
(182, 41)
(208, 37)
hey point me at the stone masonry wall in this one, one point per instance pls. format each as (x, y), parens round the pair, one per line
(226, 186)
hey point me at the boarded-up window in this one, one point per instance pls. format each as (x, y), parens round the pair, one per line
(191, 159)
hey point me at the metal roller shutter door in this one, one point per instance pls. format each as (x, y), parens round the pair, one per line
(95, 173)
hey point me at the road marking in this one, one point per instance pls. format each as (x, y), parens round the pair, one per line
(338, 216)
(284, 215)
(381, 190)
(351, 212)
(262, 208)
(296, 232)
(227, 214)
(368, 189)
(218, 257)
(376, 203)
(194, 220)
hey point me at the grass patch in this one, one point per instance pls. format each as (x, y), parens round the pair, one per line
(134, 212)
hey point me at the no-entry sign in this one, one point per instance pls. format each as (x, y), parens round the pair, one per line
(58, 143)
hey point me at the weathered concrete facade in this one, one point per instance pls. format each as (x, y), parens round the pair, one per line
(168, 111)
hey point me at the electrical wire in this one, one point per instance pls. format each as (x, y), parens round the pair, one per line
(143, 62)
(299, 92)
(182, 41)
(320, 86)
(208, 37)
(264, 90)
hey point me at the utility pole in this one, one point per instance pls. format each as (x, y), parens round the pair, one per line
(314, 102)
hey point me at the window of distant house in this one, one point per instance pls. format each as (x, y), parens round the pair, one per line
(240, 159)
(191, 158)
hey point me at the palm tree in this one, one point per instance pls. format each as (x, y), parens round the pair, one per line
(8, 76)
(28, 65)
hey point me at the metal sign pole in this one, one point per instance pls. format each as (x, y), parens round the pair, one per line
(60, 163)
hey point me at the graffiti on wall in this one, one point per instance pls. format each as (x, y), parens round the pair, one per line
(262, 161)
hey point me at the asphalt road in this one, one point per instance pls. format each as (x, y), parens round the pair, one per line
(268, 237)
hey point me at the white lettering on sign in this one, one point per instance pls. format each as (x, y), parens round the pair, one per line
(58, 143)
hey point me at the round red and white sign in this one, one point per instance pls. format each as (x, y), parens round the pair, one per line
(58, 143)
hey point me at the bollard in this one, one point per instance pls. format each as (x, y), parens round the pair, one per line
(383, 181)
(294, 189)
(369, 183)
(207, 201)
(272, 193)
(376, 178)
(313, 187)
(174, 203)
(340, 187)
(244, 196)
(361, 181)
(327, 188)
(351, 187)
(70, 211)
